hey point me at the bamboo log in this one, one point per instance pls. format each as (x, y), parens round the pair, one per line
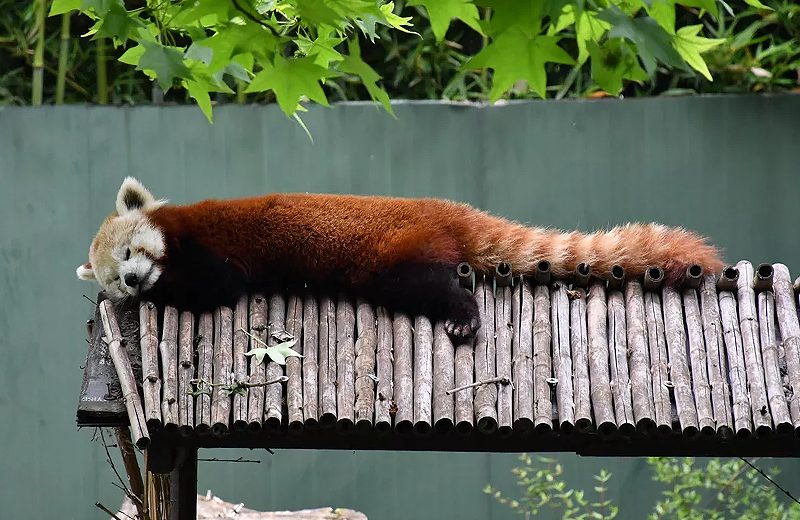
(385, 397)
(754, 365)
(658, 356)
(579, 339)
(345, 364)
(742, 418)
(504, 331)
(294, 365)
(464, 399)
(542, 337)
(786, 311)
(443, 380)
(258, 331)
(769, 346)
(485, 394)
(562, 357)
(679, 375)
(618, 355)
(598, 353)
(327, 362)
(641, 387)
(403, 375)
(168, 348)
(185, 373)
(365, 365)
(127, 381)
(522, 346)
(223, 363)
(205, 360)
(712, 331)
(697, 357)
(465, 272)
(273, 393)
(423, 375)
(239, 413)
(310, 363)
(762, 278)
(151, 382)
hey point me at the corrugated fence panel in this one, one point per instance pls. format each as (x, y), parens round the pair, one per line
(725, 166)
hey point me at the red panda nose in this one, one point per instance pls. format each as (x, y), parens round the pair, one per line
(131, 280)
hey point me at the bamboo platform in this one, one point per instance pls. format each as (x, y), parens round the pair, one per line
(628, 367)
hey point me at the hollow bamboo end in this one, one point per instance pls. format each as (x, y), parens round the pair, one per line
(383, 427)
(422, 428)
(312, 424)
(616, 278)
(784, 428)
(345, 426)
(694, 276)
(543, 428)
(690, 432)
(653, 278)
(664, 430)
(542, 274)
(583, 425)
(443, 426)
(744, 433)
(763, 431)
(646, 426)
(403, 427)
(728, 278)
(762, 279)
(583, 274)
(185, 430)
(171, 428)
(363, 426)
(566, 428)
(202, 429)
(295, 427)
(502, 274)
(272, 425)
(465, 272)
(487, 425)
(154, 425)
(607, 430)
(219, 429)
(505, 431)
(328, 420)
(627, 429)
(708, 431)
(523, 425)
(725, 432)
(143, 443)
(464, 428)
(254, 427)
(239, 425)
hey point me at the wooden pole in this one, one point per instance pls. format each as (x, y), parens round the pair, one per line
(679, 375)
(151, 382)
(223, 365)
(658, 357)
(618, 356)
(365, 365)
(327, 362)
(786, 311)
(768, 325)
(641, 387)
(403, 375)
(168, 349)
(310, 361)
(485, 395)
(579, 339)
(423, 375)
(385, 397)
(697, 357)
(258, 371)
(345, 367)
(185, 373)
(205, 360)
(443, 380)
(240, 326)
(562, 357)
(504, 330)
(736, 370)
(712, 330)
(522, 347)
(273, 394)
(599, 360)
(542, 337)
(294, 365)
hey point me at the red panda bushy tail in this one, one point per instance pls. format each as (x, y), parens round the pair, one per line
(633, 246)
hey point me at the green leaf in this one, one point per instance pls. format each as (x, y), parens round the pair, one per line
(607, 77)
(757, 4)
(64, 6)
(588, 28)
(690, 46)
(200, 94)
(278, 353)
(516, 55)
(118, 24)
(290, 80)
(708, 5)
(322, 48)
(441, 12)
(663, 12)
(132, 55)
(393, 20)
(200, 53)
(166, 62)
(353, 64)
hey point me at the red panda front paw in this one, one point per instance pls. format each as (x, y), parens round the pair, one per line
(459, 329)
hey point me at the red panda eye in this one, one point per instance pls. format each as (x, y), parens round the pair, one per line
(127, 253)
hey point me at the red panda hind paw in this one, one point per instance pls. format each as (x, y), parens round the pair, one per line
(460, 329)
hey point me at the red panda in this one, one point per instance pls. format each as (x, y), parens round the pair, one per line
(396, 252)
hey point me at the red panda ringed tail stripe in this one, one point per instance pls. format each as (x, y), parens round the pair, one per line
(400, 253)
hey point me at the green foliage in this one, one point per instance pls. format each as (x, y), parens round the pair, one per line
(718, 490)
(277, 353)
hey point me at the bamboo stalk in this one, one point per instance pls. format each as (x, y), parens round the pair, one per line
(102, 73)
(223, 375)
(127, 380)
(365, 365)
(258, 331)
(679, 375)
(443, 380)
(128, 454)
(310, 363)
(345, 367)
(769, 346)
(712, 331)
(403, 375)
(294, 365)
(273, 394)
(38, 56)
(185, 373)
(168, 349)
(485, 395)
(618, 356)
(240, 411)
(63, 56)
(522, 346)
(697, 357)
(464, 400)
(562, 357)
(579, 339)
(151, 382)
(754, 365)
(658, 356)
(327, 361)
(786, 311)
(385, 397)
(542, 336)
(205, 358)
(641, 388)
(736, 369)
(504, 330)
(423, 375)
(598, 353)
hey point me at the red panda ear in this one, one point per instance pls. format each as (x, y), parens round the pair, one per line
(85, 272)
(133, 195)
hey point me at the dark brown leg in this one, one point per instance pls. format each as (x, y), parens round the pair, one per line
(183, 486)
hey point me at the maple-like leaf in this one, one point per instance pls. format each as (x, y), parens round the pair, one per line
(516, 55)
(166, 62)
(441, 12)
(64, 6)
(353, 64)
(691, 46)
(290, 80)
(118, 24)
(278, 353)
(323, 48)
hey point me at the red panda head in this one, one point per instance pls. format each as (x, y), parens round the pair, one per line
(126, 254)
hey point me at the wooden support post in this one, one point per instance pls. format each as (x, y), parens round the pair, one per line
(183, 486)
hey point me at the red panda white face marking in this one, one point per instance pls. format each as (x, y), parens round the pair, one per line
(126, 253)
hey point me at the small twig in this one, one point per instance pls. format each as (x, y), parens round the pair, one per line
(254, 19)
(91, 300)
(769, 479)
(501, 380)
(122, 485)
(240, 459)
(106, 510)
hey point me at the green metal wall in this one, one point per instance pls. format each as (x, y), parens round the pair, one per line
(725, 166)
